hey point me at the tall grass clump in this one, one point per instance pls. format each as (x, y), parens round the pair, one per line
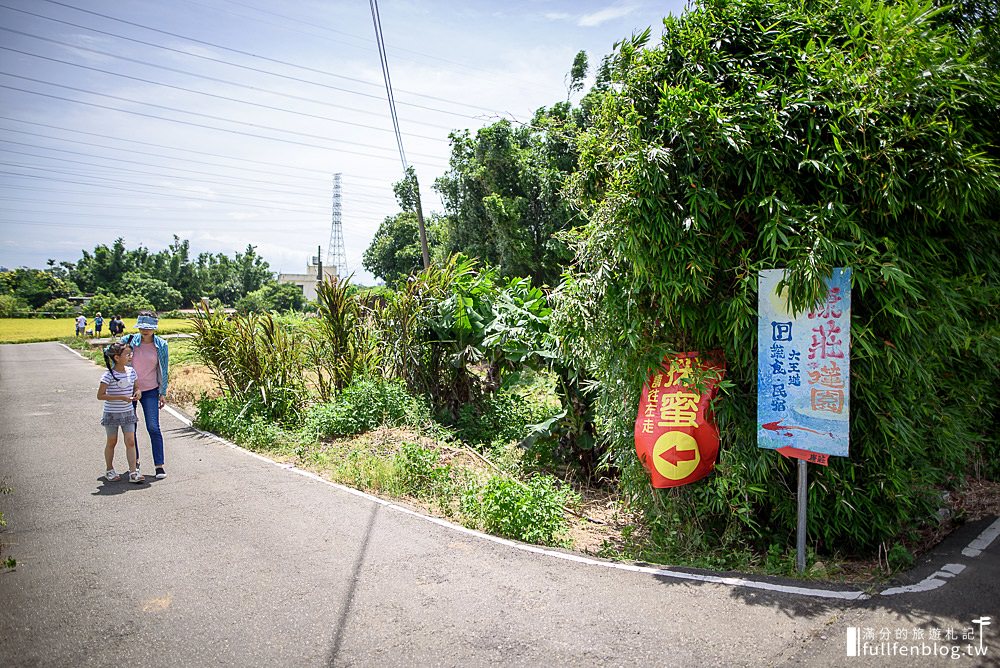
(256, 360)
(341, 343)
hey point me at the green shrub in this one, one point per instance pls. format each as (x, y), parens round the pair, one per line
(60, 306)
(531, 512)
(245, 423)
(421, 471)
(11, 306)
(501, 417)
(342, 341)
(899, 558)
(364, 405)
(218, 415)
(256, 358)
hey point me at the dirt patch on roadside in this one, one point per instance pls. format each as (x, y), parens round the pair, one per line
(188, 384)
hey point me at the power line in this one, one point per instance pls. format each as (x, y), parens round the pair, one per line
(109, 185)
(67, 226)
(388, 82)
(368, 213)
(258, 56)
(199, 125)
(399, 139)
(212, 95)
(195, 113)
(171, 148)
(239, 184)
(364, 41)
(244, 67)
(205, 77)
(214, 222)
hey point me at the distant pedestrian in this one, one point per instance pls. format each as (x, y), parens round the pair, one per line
(116, 325)
(81, 324)
(117, 390)
(98, 324)
(151, 360)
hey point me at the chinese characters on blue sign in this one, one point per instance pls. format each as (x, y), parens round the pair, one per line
(803, 369)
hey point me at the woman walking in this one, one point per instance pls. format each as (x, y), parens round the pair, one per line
(151, 361)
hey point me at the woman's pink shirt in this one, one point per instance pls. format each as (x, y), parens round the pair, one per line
(147, 366)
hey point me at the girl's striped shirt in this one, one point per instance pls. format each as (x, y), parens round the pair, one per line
(121, 384)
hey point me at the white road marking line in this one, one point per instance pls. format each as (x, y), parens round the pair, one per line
(714, 579)
(73, 351)
(983, 541)
(929, 583)
(932, 581)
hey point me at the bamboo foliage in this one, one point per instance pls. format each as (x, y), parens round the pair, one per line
(803, 136)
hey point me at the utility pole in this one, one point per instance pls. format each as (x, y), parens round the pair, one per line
(420, 222)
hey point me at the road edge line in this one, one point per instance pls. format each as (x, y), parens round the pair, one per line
(72, 351)
(983, 540)
(635, 568)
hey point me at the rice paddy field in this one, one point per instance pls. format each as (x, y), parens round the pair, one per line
(30, 330)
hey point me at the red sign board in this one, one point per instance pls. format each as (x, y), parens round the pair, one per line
(675, 433)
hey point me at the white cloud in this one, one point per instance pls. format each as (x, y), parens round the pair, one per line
(611, 13)
(556, 16)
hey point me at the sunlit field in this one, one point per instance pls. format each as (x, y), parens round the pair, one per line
(27, 330)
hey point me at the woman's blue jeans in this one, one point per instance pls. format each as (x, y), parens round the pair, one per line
(150, 401)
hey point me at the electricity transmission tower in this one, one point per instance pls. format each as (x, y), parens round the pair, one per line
(336, 256)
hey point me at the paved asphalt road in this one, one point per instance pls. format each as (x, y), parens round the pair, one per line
(234, 561)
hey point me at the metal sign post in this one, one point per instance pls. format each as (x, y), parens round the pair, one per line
(800, 532)
(803, 380)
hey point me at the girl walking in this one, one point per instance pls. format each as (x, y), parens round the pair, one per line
(117, 391)
(151, 360)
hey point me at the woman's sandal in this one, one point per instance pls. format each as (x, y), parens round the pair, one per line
(136, 477)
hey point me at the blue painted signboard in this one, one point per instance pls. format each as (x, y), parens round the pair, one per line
(804, 370)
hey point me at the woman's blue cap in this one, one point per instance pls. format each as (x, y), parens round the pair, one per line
(146, 322)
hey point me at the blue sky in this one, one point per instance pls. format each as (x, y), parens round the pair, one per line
(223, 121)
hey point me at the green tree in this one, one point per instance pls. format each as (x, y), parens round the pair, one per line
(102, 269)
(228, 279)
(775, 133)
(33, 286)
(11, 306)
(272, 297)
(577, 74)
(502, 194)
(161, 295)
(394, 252)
